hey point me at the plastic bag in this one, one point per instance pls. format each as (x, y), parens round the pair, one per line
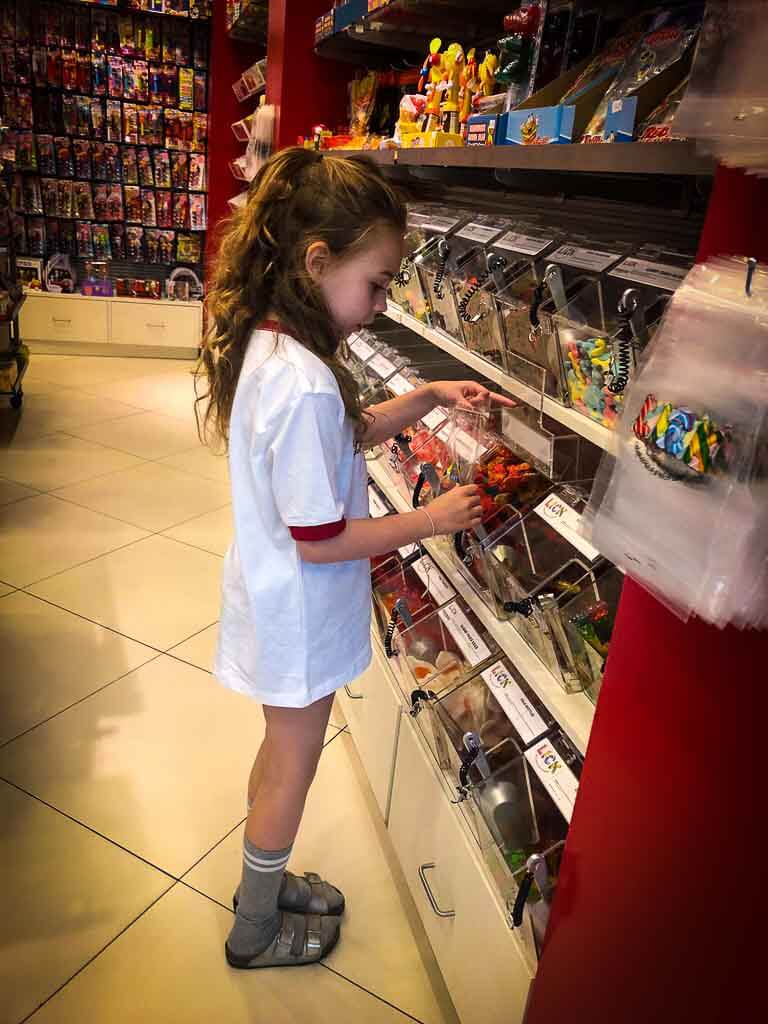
(683, 508)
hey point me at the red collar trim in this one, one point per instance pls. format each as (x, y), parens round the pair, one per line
(270, 325)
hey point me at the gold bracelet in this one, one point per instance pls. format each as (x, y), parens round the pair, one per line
(432, 521)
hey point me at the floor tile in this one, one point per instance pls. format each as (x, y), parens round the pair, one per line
(5, 589)
(151, 496)
(90, 372)
(169, 394)
(57, 460)
(212, 531)
(337, 715)
(10, 491)
(151, 974)
(200, 649)
(147, 434)
(200, 461)
(156, 591)
(60, 410)
(378, 949)
(44, 535)
(71, 893)
(157, 762)
(39, 679)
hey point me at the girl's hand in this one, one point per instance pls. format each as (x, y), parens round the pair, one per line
(467, 393)
(457, 509)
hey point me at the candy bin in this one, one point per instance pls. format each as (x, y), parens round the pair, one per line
(400, 449)
(410, 582)
(604, 329)
(439, 651)
(423, 456)
(407, 287)
(456, 264)
(589, 618)
(535, 363)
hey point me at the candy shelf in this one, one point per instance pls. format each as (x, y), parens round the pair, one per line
(594, 432)
(574, 711)
(636, 158)
(250, 25)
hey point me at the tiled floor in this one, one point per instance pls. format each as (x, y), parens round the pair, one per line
(123, 763)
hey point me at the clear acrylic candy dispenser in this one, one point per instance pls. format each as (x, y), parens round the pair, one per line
(410, 582)
(605, 327)
(439, 651)
(408, 288)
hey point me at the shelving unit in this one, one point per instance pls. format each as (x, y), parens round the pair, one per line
(573, 711)
(594, 432)
(250, 24)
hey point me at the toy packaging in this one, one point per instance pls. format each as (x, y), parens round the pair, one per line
(33, 199)
(50, 192)
(115, 77)
(146, 176)
(180, 210)
(150, 126)
(98, 118)
(132, 200)
(198, 220)
(200, 92)
(162, 166)
(197, 173)
(67, 236)
(148, 210)
(180, 170)
(114, 121)
(99, 73)
(26, 152)
(167, 242)
(46, 154)
(176, 43)
(65, 199)
(36, 236)
(188, 248)
(130, 166)
(83, 200)
(134, 243)
(117, 240)
(102, 248)
(200, 134)
(186, 88)
(130, 123)
(82, 148)
(84, 240)
(164, 208)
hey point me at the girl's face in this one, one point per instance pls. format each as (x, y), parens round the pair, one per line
(355, 287)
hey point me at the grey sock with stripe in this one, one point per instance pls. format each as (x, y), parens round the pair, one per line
(258, 920)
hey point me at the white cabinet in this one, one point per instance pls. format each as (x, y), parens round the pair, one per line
(65, 318)
(81, 323)
(372, 709)
(151, 323)
(477, 953)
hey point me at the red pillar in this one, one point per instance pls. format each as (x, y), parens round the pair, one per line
(657, 916)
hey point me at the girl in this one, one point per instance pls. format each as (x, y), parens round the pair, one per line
(306, 262)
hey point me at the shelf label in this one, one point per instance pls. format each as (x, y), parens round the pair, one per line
(400, 385)
(468, 640)
(434, 418)
(437, 585)
(587, 259)
(478, 232)
(566, 520)
(659, 275)
(555, 775)
(527, 245)
(361, 348)
(376, 505)
(441, 224)
(382, 366)
(517, 707)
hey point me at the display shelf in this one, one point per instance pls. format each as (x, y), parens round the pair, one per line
(637, 158)
(586, 428)
(573, 711)
(251, 23)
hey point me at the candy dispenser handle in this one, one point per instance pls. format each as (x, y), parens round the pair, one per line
(443, 252)
(418, 488)
(628, 307)
(533, 868)
(467, 297)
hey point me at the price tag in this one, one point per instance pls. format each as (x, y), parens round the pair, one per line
(441, 224)
(587, 259)
(517, 707)
(382, 366)
(433, 419)
(555, 775)
(400, 385)
(565, 519)
(376, 505)
(437, 585)
(361, 348)
(477, 232)
(468, 640)
(659, 275)
(527, 245)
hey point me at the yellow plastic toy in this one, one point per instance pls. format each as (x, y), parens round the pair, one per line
(453, 67)
(487, 74)
(429, 82)
(470, 83)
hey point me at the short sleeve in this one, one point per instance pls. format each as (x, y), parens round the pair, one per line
(306, 457)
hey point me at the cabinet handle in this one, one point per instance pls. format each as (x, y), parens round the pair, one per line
(430, 895)
(353, 696)
(61, 320)
(156, 325)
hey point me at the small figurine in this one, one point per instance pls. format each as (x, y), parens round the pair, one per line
(470, 83)
(429, 80)
(453, 66)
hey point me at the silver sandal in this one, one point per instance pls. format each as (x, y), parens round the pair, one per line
(301, 939)
(309, 894)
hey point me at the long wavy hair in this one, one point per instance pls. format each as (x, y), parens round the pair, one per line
(298, 197)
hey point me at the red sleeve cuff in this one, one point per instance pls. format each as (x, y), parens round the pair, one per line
(324, 532)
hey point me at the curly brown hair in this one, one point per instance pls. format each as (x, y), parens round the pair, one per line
(298, 197)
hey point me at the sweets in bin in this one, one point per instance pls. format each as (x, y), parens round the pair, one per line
(428, 230)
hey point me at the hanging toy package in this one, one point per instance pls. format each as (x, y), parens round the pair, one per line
(683, 508)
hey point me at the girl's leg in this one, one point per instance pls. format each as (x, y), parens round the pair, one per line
(284, 769)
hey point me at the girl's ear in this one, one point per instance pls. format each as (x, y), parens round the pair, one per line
(317, 260)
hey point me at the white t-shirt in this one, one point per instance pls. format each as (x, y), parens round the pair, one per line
(291, 631)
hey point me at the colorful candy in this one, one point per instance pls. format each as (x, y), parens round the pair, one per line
(588, 374)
